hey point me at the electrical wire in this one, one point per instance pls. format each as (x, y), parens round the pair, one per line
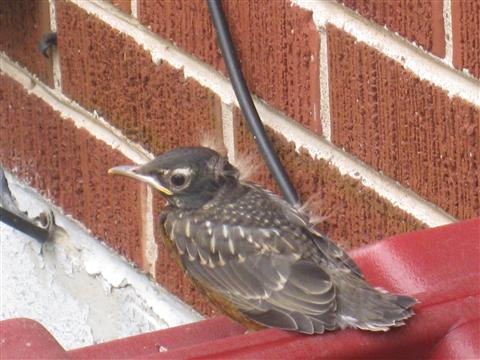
(246, 104)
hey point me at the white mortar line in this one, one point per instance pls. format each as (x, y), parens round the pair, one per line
(387, 188)
(93, 123)
(324, 87)
(418, 61)
(134, 8)
(228, 130)
(447, 20)
(53, 15)
(57, 74)
(151, 248)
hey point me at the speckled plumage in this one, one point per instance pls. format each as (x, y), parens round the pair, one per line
(259, 258)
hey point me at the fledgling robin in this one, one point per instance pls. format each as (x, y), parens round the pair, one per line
(257, 257)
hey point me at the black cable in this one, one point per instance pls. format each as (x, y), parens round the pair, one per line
(246, 104)
(24, 225)
(12, 216)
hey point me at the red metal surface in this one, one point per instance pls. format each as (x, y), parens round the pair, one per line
(27, 339)
(202, 332)
(440, 266)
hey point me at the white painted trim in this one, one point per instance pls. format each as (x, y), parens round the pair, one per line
(151, 248)
(324, 87)
(421, 63)
(447, 20)
(134, 7)
(57, 74)
(94, 124)
(228, 130)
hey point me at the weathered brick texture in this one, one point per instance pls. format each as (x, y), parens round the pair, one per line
(69, 166)
(277, 44)
(466, 35)
(153, 105)
(419, 21)
(22, 25)
(355, 215)
(407, 128)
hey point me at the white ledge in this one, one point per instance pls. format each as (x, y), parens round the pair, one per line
(94, 295)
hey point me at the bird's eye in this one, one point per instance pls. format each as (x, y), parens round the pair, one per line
(178, 180)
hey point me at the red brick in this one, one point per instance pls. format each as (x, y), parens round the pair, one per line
(407, 128)
(124, 5)
(355, 215)
(69, 166)
(22, 25)
(419, 21)
(466, 35)
(171, 276)
(108, 72)
(277, 44)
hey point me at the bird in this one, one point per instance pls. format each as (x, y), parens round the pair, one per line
(259, 259)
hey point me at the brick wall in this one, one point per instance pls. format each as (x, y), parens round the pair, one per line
(374, 107)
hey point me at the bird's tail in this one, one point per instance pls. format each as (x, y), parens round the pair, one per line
(364, 307)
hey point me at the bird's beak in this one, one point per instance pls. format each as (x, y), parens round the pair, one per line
(134, 172)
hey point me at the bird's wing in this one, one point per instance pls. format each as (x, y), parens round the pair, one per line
(333, 253)
(260, 272)
(328, 249)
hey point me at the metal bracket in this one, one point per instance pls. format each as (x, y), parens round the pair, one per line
(41, 228)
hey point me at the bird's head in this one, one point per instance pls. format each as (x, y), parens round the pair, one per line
(187, 177)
